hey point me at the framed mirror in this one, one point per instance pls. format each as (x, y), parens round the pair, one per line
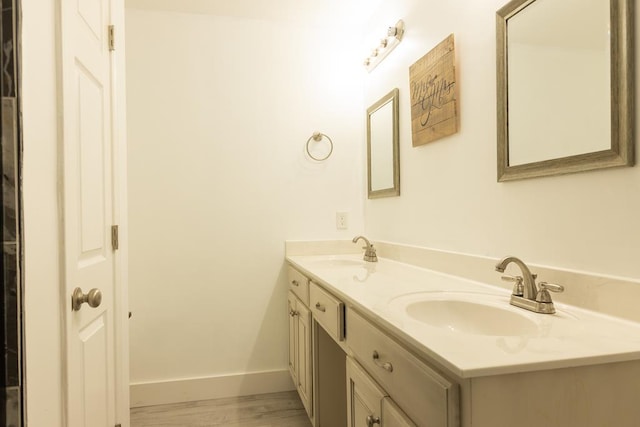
(565, 82)
(383, 142)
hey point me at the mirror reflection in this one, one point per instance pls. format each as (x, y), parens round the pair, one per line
(381, 129)
(383, 147)
(565, 86)
(561, 78)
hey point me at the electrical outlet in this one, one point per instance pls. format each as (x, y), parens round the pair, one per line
(342, 220)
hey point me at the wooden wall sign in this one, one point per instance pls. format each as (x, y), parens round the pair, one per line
(433, 102)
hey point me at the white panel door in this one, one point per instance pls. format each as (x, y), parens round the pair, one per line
(87, 191)
(304, 356)
(293, 337)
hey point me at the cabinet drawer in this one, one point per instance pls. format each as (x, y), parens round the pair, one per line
(426, 396)
(327, 310)
(299, 285)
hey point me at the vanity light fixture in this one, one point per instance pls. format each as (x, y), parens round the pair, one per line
(387, 44)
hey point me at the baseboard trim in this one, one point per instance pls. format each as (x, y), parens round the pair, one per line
(194, 389)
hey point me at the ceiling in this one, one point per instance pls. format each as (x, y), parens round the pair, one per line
(306, 12)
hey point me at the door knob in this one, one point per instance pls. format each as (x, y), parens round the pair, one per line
(93, 298)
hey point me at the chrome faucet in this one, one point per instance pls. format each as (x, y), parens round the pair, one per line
(529, 290)
(525, 291)
(369, 250)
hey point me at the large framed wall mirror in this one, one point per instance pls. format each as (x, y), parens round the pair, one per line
(565, 79)
(383, 142)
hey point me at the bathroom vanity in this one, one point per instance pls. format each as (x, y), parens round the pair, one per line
(410, 346)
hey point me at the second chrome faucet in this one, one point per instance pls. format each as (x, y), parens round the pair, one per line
(369, 250)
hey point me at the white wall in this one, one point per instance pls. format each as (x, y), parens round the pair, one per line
(450, 198)
(219, 111)
(41, 245)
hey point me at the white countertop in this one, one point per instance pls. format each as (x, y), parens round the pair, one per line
(571, 337)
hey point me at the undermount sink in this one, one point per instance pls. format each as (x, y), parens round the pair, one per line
(468, 313)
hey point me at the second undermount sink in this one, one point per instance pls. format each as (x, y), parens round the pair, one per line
(468, 313)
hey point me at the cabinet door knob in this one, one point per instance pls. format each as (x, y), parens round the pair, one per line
(387, 366)
(371, 420)
(320, 307)
(295, 283)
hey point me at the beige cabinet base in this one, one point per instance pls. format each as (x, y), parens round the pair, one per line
(589, 396)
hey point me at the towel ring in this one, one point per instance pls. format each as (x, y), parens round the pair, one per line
(317, 136)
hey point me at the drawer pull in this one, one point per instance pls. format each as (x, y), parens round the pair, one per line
(320, 307)
(371, 420)
(384, 365)
(295, 283)
(293, 313)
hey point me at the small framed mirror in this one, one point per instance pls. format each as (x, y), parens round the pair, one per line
(383, 147)
(565, 82)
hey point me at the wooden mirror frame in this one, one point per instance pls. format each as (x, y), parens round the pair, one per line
(621, 152)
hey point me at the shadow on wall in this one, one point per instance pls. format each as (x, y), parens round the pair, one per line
(272, 336)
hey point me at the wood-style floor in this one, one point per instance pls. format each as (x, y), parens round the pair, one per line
(266, 410)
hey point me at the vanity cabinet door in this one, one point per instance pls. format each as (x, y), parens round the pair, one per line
(392, 416)
(300, 355)
(293, 337)
(304, 358)
(364, 397)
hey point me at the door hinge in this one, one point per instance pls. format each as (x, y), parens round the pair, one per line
(112, 38)
(114, 237)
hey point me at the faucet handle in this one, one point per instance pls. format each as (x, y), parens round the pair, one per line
(543, 294)
(518, 287)
(551, 286)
